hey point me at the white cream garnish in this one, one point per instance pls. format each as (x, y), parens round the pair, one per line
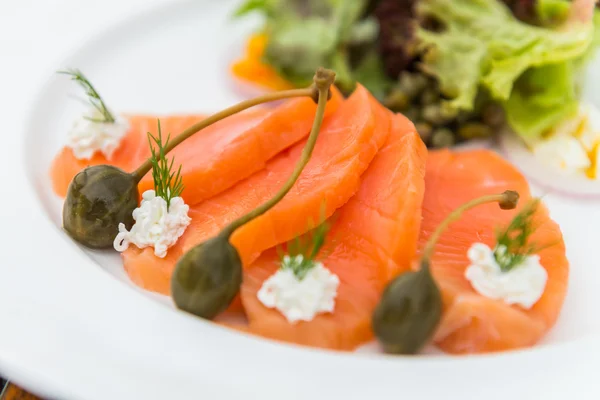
(523, 285)
(87, 137)
(300, 299)
(155, 226)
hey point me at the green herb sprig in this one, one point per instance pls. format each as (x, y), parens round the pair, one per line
(167, 184)
(308, 246)
(512, 244)
(93, 96)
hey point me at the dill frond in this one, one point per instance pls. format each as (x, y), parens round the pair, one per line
(92, 94)
(167, 184)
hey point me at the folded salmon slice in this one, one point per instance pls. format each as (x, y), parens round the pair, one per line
(373, 237)
(221, 156)
(472, 323)
(212, 160)
(130, 154)
(348, 142)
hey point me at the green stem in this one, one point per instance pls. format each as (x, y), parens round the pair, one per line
(139, 173)
(323, 80)
(507, 200)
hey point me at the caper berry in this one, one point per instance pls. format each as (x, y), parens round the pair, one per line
(474, 130)
(98, 199)
(207, 278)
(408, 313)
(448, 112)
(397, 100)
(411, 84)
(432, 114)
(429, 96)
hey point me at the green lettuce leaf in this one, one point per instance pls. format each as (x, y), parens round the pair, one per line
(535, 106)
(484, 45)
(296, 46)
(370, 73)
(266, 7)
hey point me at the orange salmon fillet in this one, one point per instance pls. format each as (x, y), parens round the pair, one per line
(373, 237)
(348, 142)
(130, 154)
(472, 323)
(212, 160)
(233, 149)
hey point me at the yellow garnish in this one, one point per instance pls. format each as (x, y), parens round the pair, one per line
(593, 156)
(581, 127)
(252, 68)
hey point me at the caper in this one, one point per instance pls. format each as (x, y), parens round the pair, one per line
(411, 84)
(101, 197)
(450, 91)
(408, 313)
(98, 199)
(410, 308)
(430, 96)
(474, 130)
(448, 112)
(396, 100)
(431, 114)
(420, 81)
(208, 277)
(442, 137)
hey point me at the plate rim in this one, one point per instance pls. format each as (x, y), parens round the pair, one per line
(49, 381)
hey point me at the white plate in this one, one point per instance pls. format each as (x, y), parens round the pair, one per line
(74, 327)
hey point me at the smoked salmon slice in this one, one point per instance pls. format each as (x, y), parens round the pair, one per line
(472, 323)
(212, 160)
(233, 149)
(130, 154)
(348, 142)
(373, 236)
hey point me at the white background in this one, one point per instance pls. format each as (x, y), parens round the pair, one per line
(35, 35)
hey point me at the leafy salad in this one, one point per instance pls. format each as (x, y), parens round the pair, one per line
(459, 69)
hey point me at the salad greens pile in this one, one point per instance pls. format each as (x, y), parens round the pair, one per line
(308, 33)
(474, 50)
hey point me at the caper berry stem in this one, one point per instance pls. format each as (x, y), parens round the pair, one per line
(139, 173)
(323, 80)
(507, 201)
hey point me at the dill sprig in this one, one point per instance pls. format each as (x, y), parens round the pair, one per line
(93, 96)
(512, 244)
(308, 246)
(167, 184)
